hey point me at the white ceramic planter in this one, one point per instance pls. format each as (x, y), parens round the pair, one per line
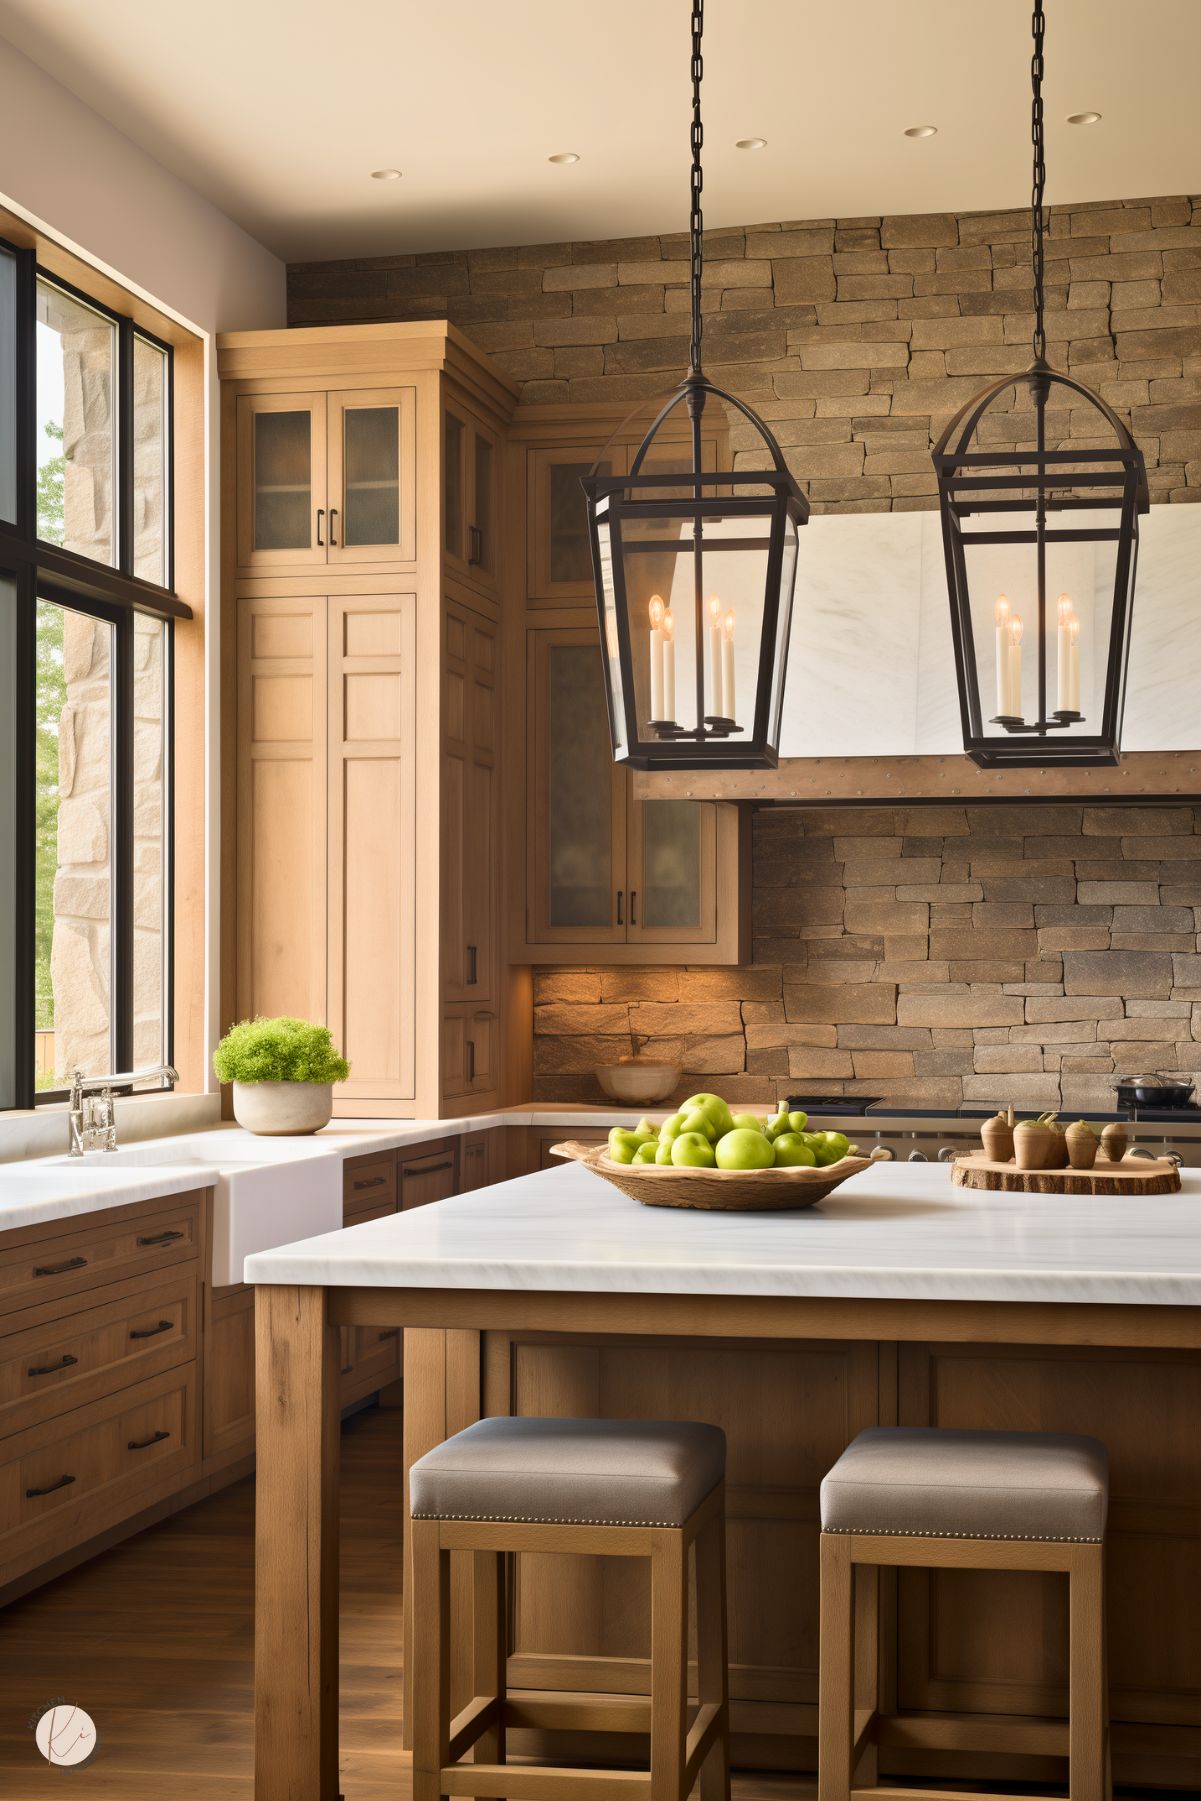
(283, 1109)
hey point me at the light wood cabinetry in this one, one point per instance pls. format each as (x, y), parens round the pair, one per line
(363, 556)
(607, 878)
(628, 880)
(100, 1373)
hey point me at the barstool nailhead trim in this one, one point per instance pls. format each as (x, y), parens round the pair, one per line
(1004, 1538)
(530, 1519)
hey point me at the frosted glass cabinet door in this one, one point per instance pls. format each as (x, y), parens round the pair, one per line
(559, 554)
(577, 797)
(372, 489)
(281, 496)
(672, 872)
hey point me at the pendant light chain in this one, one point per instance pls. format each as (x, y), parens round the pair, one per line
(696, 222)
(1037, 221)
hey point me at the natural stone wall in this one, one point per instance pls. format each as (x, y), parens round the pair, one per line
(925, 954)
(855, 338)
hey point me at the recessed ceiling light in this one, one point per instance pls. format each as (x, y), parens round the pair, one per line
(921, 131)
(1084, 118)
(564, 156)
(386, 174)
(751, 144)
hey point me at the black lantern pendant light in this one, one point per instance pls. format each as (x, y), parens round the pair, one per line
(694, 573)
(1020, 526)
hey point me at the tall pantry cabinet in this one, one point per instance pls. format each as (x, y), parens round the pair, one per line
(360, 659)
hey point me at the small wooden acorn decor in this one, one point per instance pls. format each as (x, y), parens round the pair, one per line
(996, 1135)
(1082, 1145)
(1115, 1140)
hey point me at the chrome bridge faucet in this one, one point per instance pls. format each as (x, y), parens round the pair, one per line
(93, 1115)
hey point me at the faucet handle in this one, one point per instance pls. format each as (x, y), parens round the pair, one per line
(104, 1119)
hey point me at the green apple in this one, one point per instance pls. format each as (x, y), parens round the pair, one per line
(749, 1122)
(744, 1148)
(697, 1120)
(692, 1150)
(714, 1109)
(646, 1153)
(646, 1128)
(623, 1144)
(664, 1147)
(787, 1122)
(792, 1152)
(831, 1147)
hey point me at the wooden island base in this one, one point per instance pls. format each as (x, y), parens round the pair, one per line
(985, 1652)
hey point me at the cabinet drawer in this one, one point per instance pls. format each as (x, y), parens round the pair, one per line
(70, 1477)
(377, 1353)
(68, 1362)
(94, 1255)
(369, 1185)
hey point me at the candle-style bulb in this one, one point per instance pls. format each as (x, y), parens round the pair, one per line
(667, 625)
(1065, 608)
(1073, 628)
(656, 611)
(1002, 609)
(728, 624)
(1015, 629)
(714, 608)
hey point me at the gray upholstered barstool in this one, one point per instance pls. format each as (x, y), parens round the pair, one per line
(934, 1498)
(601, 1488)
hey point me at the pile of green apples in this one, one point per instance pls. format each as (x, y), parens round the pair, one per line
(705, 1134)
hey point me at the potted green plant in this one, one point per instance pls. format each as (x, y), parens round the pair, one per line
(283, 1072)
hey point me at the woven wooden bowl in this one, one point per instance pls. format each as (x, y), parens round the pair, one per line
(725, 1190)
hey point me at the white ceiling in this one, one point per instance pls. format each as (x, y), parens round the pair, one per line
(279, 109)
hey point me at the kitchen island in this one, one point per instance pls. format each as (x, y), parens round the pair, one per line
(897, 1300)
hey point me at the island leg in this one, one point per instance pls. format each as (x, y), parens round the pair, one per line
(296, 1547)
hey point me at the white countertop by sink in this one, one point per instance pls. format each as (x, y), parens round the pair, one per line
(266, 1191)
(895, 1231)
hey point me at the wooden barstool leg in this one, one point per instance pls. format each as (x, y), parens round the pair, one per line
(713, 1683)
(490, 1645)
(865, 1589)
(835, 1724)
(669, 1663)
(1086, 1674)
(431, 1670)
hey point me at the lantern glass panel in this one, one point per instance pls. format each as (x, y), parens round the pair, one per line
(1002, 598)
(611, 647)
(670, 635)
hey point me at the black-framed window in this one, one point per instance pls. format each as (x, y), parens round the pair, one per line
(87, 616)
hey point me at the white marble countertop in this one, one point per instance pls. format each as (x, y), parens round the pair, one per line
(896, 1231)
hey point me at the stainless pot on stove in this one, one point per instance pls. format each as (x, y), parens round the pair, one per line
(1153, 1091)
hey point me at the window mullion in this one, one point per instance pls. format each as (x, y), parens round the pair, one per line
(123, 802)
(125, 446)
(25, 904)
(27, 393)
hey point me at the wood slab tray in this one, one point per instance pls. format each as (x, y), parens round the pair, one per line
(1133, 1175)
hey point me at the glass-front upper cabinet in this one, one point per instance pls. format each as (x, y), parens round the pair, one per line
(576, 803)
(608, 875)
(470, 497)
(281, 502)
(558, 552)
(372, 498)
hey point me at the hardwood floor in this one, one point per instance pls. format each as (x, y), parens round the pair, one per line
(155, 1640)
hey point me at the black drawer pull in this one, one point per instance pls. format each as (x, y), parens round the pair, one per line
(48, 1369)
(32, 1494)
(370, 1182)
(431, 1169)
(475, 546)
(60, 1269)
(160, 1238)
(388, 1332)
(141, 1444)
(164, 1325)
(473, 971)
(333, 514)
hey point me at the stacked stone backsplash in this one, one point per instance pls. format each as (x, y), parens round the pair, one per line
(855, 338)
(929, 955)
